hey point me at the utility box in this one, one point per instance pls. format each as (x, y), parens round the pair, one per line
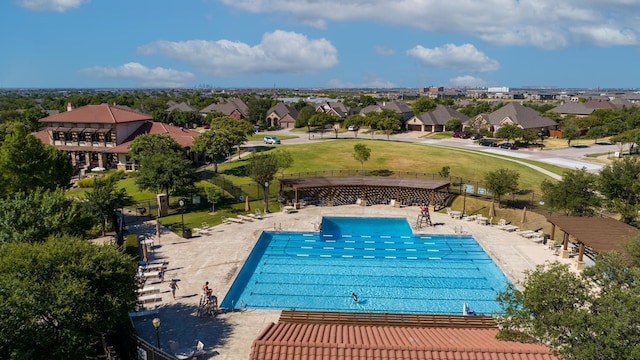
(186, 233)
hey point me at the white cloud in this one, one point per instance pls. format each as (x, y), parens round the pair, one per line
(279, 52)
(467, 81)
(545, 24)
(604, 36)
(51, 5)
(141, 75)
(381, 50)
(463, 58)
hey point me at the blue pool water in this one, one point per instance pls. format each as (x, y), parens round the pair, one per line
(380, 259)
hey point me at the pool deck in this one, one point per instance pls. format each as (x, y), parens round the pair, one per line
(216, 255)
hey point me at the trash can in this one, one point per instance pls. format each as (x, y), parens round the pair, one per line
(546, 238)
(186, 233)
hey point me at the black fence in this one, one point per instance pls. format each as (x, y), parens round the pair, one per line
(146, 351)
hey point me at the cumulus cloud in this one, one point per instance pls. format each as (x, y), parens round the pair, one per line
(278, 52)
(141, 75)
(462, 58)
(51, 5)
(604, 36)
(542, 23)
(467, 81)
(381, 50)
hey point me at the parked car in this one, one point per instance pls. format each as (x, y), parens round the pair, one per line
(353, 128)
(489, 143)
(475, 137)
(461, 134)
(271, 140)
(508, 145)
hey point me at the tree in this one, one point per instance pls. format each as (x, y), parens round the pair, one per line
(165, 173)
(596, 132)
(215, 144)
(361, 153)
(104, 198)
(588, 315)
(239, 130)
(453, 124)
(501, 181)
(354, 121)
(153, 144)
(262, 169)
(570, 132)
(445, 171)
(27, 164)
(257, 110)
(304, 115)
(320, 120)
(422, 105)
(284, 158)
(509, 131)
(389, 121)
(575, 195)
(62, 298)
(38, 214)
(214, 195)
(372, 120)
(618, 183)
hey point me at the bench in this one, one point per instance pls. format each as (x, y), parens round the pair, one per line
(151, 298)
(148, 290)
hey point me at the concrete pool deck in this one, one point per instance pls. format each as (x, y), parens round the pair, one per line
(217, 255)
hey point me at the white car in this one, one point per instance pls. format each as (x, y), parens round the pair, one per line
(353, 128)
(271, 140)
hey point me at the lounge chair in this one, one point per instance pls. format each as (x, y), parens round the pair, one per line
(236, 220)
(470, 217)
(255, 216)
(524, 233)
(507, 227)
(245, 218)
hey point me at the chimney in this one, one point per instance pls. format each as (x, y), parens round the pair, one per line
(70, 106)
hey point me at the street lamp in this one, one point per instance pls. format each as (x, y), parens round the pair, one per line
(156, 324)
(464, 201)
(266, 196)
(182, 213)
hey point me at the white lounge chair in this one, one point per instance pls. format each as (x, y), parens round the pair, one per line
(508, 227)
(245, 218)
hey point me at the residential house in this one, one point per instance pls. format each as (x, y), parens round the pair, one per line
(233, 107)
(183, 106)
(435, 120)
(334, 108)
(512, 113)
(100, 135)
(282, 115)
(578, 109)
(397, 106)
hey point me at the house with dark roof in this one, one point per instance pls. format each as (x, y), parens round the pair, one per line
(233, 107)
(435, 120)
(513, 113)
(575, 108)
(100, 135)
(183, 106)
(397, 106)
(282, 115)
(334, 108)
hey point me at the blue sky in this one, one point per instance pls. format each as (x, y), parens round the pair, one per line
(319, 43)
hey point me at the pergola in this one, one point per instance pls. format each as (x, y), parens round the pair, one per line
(598, 233)
(368, 190)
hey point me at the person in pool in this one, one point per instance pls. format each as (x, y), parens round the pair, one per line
(354, 296)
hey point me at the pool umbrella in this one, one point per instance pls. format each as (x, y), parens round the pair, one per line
(524, 216)
(492, 210)
(247, 206)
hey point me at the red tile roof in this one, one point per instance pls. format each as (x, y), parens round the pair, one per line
(97, 114)
(43, 136)
(346, 342)
(184, 137)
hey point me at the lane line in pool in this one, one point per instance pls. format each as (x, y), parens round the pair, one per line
(409, 242)
(307, 234)
(325, 255)
(302, 254)
(309, 241)
(434, 258)
(369, 257)
(389, 257)
(306, 247)
(346, 236)
(347, 256)
(405, 237)
(385, 237)
(365, 236)
(369, 242)
(328, 247)
(390, 249)
(349, 248)
(412, 258)
(349, 241)
(370, 249)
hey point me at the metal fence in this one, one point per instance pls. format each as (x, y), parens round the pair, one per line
(146, 351)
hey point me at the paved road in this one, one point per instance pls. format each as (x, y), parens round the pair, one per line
(573, 158)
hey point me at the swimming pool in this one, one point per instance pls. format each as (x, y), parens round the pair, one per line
(379, 259)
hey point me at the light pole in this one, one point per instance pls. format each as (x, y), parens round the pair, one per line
(541, 135)
(156, 324)
(464, 202)
(266, 196)
(182, 213)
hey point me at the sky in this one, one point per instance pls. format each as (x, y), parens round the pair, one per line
(311, 44)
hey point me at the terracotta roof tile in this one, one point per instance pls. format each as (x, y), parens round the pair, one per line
(97, 114)
(347, 342)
